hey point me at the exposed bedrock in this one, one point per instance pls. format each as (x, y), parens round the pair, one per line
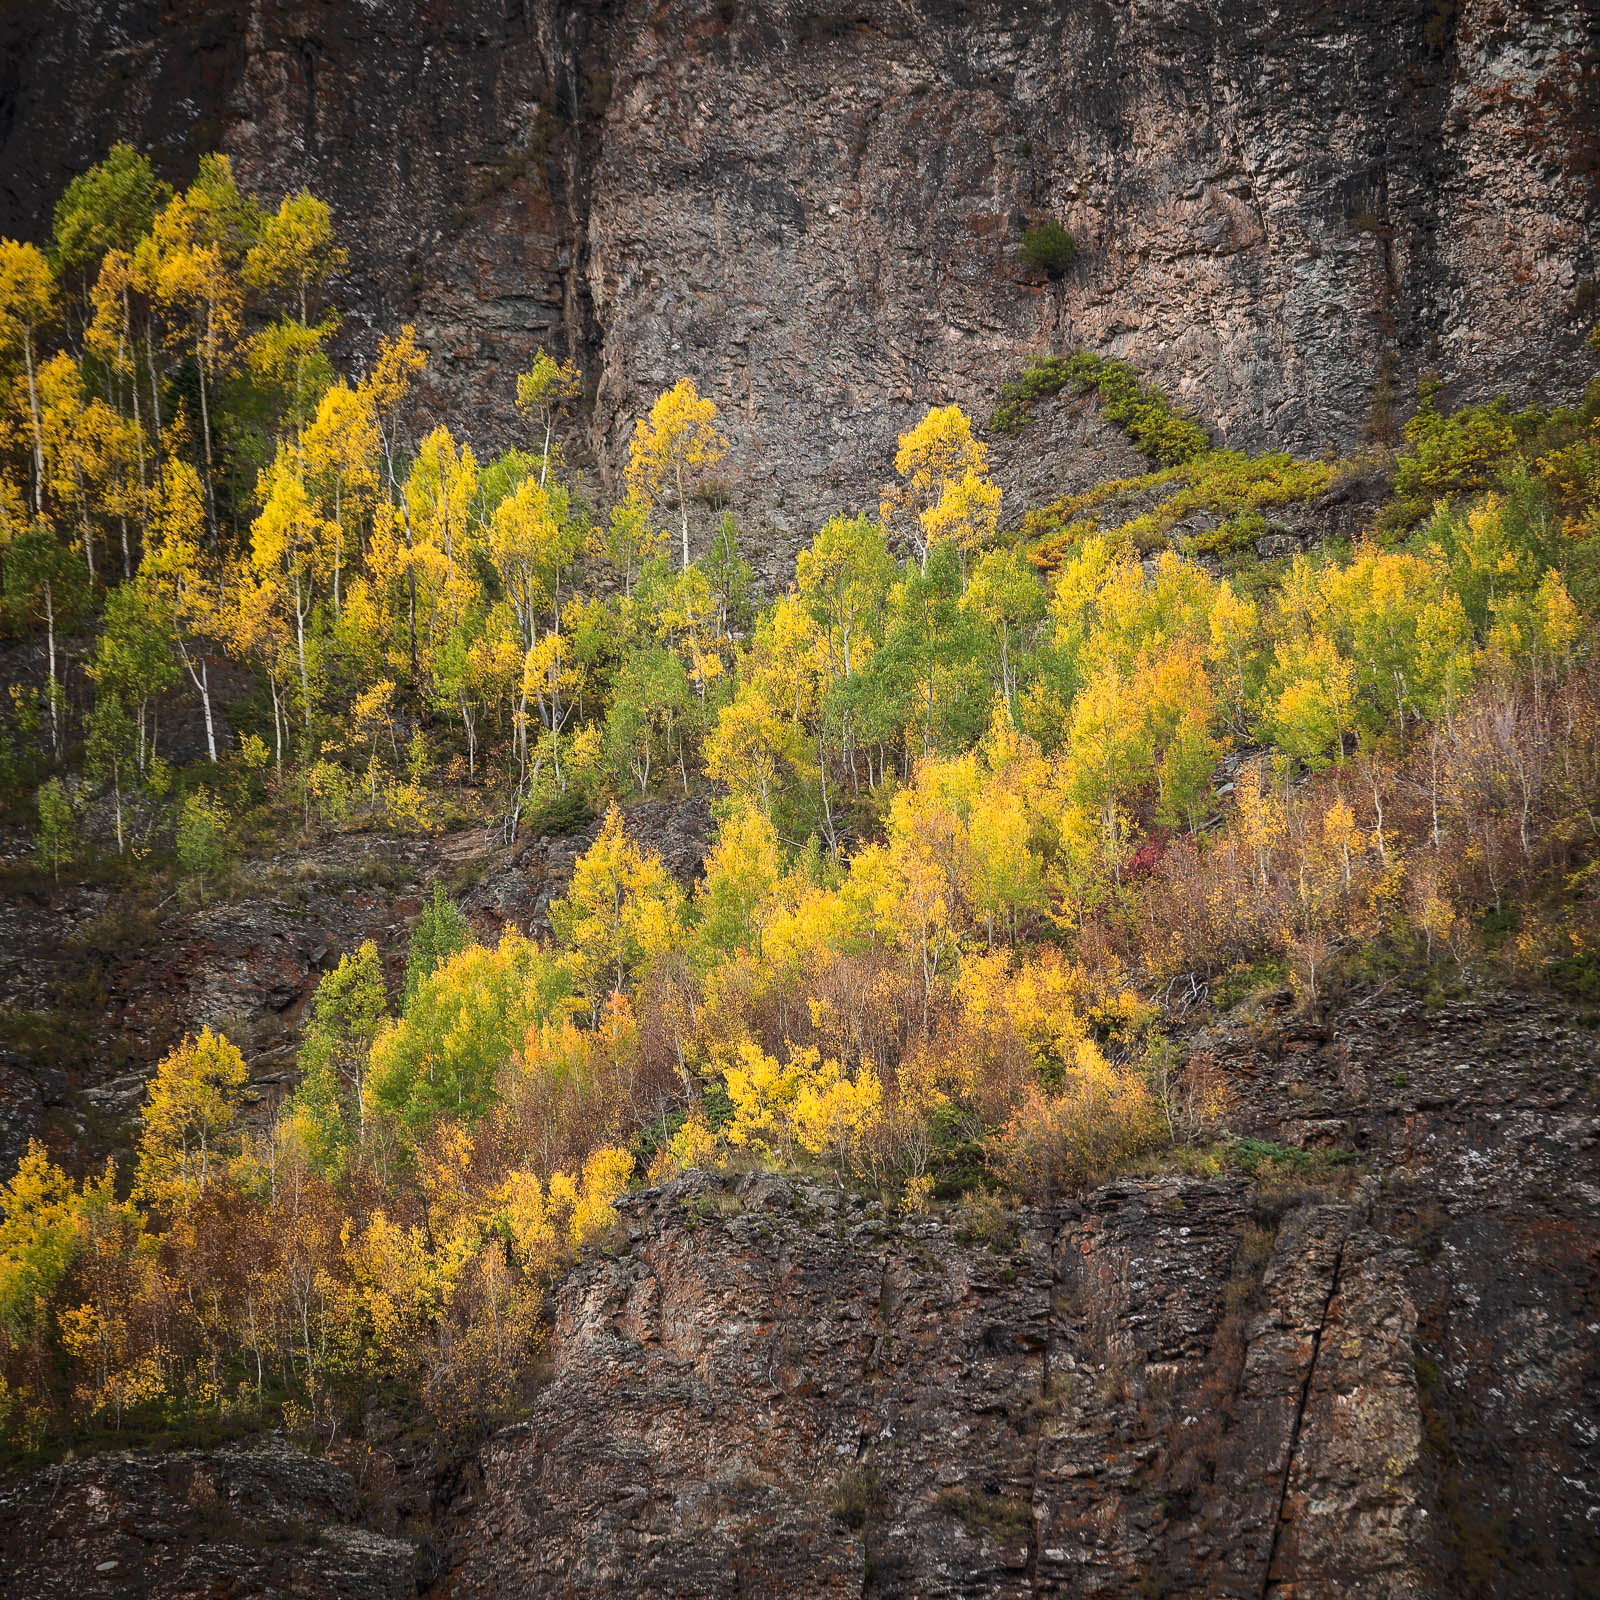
(816, 211)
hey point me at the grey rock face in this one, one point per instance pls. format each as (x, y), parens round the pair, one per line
(1182, 1386)
(816, 212)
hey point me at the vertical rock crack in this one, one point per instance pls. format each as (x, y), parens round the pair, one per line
(1299, 1418)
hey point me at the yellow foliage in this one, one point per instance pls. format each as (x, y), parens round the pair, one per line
(692, 1146)
(191, 1121)
(677, 443)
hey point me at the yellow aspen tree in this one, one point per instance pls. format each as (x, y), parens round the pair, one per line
(257, 627)
(620, 912)
(191, 1124)
(1108, 752)
(89, 451)
(340, 452)
(533, 541)
(1007, 596)
(834, 1112)
(1313, 705)
(287, 553)
(843, 579)
(925, 840)
(27, 304)
(966, 514)
(676, 444)
(941, 465)
(442, 537)
(188, 593)
(197, 287)
(296, 252)
(1234, 628)
(112, 338)
(741, 874)
(629, 541)
(750, 746)
(544, 391)
(38, 1239)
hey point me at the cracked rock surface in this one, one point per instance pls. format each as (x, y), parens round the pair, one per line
(261, 1522)
(1384, 1385)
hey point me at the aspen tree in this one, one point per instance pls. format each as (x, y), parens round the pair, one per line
(544, 392)
(676, 444)
(945, 490)
(190, 1122)
(180, 582)
(27, 305)
(296, 252)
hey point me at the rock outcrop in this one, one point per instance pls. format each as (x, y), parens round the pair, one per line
(263, 1522)
(1368, 1369)
(1284, 212)
(1378, 1383)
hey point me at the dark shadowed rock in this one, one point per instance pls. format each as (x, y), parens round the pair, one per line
(257, 1522)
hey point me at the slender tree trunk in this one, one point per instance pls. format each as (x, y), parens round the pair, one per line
(155, 387)
(201, 679)
(300, 641)
(205, 430)
(88, 530)
(277, 723)
(38, 431)
(683, 514)
(411, 592)
(1005, 676)
(205, 701)
(50, 654)
(338, 546)
(138, 425)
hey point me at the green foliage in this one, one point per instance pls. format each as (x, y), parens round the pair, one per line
(1448, 454)
(347, 1012)
(202, 835)
(1237, 536)
(110, 207)
(1140, 409)
(458, 1033)
(651, 703)
(56, 840)
(1047, 247)
(440, 931)
(1226, 483)
(563, 812)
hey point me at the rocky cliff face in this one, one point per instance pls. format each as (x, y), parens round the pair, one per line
(1380, 1383)
(1373, 1376)
(1283, 210)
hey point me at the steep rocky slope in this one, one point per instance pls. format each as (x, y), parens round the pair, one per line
(1380, 1384)
(815, 210)
(97, 984)
(262, 1520)
(1372, 1375)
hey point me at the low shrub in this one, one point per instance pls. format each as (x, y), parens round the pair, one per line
(1047, 247)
